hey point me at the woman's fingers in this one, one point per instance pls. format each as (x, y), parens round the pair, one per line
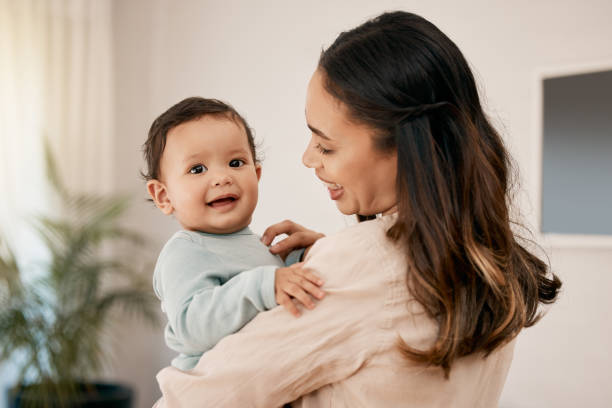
(292, 241)
(300, 239)
(284, 227)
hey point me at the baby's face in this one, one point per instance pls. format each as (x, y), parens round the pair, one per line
(209, 175)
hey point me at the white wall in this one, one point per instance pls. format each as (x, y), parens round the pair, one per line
(259, 56)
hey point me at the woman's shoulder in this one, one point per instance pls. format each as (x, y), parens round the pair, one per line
(366, 242)
(363, 234)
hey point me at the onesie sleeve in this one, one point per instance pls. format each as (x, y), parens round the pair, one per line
(201, 308)
(277, 358)
(294, 256)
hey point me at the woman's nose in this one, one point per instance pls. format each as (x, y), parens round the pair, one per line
(309, 158)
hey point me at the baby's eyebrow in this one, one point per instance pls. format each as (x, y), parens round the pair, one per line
(238, 151)
(199, 156)
(191, 157)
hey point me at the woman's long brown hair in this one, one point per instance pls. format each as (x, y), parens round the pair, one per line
(399, 74)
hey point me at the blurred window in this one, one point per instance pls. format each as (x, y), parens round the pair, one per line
(577, 154)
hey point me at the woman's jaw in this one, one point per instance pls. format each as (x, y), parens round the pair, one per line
(347, 207)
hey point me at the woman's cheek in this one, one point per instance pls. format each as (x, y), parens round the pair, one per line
(337, 167)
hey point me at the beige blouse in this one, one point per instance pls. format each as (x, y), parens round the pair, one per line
(343, 353)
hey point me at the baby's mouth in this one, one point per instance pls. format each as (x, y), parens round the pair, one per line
(222, 201)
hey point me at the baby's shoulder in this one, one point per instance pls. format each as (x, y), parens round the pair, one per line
(182, 243)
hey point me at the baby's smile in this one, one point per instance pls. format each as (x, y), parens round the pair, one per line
(224, 202)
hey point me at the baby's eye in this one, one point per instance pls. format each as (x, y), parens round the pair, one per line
(197, 169)
(236, 163)
(322, 149)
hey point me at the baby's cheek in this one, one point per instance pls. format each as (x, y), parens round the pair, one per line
(253, 188)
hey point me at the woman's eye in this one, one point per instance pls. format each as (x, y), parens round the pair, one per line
(197, 169)
(236, 163)
(322, 149)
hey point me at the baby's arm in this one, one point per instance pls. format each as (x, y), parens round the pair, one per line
(200, 308)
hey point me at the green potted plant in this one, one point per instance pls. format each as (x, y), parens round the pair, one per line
(52, 325)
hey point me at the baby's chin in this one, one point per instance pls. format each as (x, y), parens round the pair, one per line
(212, 228)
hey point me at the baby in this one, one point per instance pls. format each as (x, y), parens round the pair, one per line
(214, 275)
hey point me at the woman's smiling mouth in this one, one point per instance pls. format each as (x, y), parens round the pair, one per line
(335, 190)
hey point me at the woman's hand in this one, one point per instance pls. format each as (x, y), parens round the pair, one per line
(298, 237)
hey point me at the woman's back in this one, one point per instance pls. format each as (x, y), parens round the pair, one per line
(382, 300)
(345, 352)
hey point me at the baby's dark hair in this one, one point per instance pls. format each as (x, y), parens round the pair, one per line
(187, 110)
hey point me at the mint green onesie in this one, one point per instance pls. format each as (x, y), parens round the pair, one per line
(211, 285)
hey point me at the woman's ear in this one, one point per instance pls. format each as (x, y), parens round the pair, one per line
(258, 171)
(158, 192)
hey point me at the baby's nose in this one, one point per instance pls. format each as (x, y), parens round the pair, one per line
(222, 180)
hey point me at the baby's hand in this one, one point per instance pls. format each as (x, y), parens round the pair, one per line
(296, 283)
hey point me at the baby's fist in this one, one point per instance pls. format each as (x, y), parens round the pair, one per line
(296, 283)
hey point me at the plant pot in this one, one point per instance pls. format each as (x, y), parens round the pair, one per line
(89, 395)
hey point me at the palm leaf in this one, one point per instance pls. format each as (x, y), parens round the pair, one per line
(55, 323)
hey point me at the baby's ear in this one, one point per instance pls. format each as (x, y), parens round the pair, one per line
(258, 170)
(158, 192)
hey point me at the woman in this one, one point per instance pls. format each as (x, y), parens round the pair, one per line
(423, 303)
